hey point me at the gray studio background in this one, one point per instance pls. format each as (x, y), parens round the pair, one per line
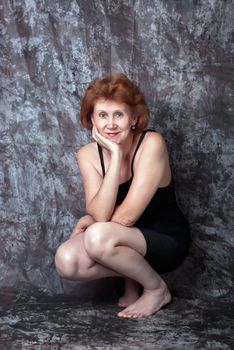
(181, 54)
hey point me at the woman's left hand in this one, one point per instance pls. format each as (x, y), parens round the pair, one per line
(111, 146)
(83, 223)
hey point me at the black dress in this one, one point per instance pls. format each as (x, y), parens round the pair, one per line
(162, 223)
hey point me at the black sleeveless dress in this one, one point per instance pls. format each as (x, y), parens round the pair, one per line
(162, 223)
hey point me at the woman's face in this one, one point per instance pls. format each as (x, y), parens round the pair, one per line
(113, 119)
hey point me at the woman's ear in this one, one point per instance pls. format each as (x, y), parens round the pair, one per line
(92, 119)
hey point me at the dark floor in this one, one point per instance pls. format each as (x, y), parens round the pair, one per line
(66, 323)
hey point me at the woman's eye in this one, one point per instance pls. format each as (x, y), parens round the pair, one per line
(119, 114)
(102, 115)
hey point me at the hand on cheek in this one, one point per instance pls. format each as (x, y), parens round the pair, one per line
(95, 133)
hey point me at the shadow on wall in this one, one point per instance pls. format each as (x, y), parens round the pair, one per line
(199, 182)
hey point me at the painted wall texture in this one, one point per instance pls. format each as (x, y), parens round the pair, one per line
(181, 53)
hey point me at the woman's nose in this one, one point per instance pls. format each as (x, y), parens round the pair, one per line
(111, 123)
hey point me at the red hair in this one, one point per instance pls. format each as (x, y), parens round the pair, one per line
(119, 88)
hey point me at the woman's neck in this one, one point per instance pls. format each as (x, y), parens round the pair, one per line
(127, 146)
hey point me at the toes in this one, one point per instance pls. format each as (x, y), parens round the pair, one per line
(125, 302)
(122, 305)
(131, 315)
(138, 315)
(121, 315)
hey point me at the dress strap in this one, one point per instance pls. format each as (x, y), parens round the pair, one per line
(137, 147)
(101, 159)
(133, 158)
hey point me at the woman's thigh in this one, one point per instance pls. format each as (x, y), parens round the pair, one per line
(165, 253)
(117, 235)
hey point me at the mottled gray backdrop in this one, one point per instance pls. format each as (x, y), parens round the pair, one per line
(181, 54)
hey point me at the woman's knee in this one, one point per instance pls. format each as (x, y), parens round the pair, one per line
(72, 261)
(65, 262)
(98, 240)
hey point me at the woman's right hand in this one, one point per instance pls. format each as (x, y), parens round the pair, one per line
(83, 223)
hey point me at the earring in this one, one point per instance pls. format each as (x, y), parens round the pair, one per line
(133, 127)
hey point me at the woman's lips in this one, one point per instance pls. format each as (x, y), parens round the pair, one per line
(112, 134)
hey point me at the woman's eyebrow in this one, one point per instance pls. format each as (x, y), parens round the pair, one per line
(117, 110)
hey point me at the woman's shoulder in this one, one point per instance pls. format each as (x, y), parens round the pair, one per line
(152, 147)
(153, 134)
(154, 140)
(87, 151)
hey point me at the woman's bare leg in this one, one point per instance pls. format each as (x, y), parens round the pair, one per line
(122, 249)
(131, 293)
(73, 263)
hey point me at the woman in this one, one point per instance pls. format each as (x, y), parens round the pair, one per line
(133, 227)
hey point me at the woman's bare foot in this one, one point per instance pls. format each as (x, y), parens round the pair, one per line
(131, 293)
(150, 302)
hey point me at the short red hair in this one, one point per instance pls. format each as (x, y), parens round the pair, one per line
(119, 88)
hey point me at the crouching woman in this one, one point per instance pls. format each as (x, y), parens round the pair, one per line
(133, 227)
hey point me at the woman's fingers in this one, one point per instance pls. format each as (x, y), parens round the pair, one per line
(97, 137)
(76, 232)
(103, 141)
(94, 133)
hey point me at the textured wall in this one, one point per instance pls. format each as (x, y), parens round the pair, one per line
(181, 54)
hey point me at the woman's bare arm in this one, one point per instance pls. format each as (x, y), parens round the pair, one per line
(149, 174)
(100, 193)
